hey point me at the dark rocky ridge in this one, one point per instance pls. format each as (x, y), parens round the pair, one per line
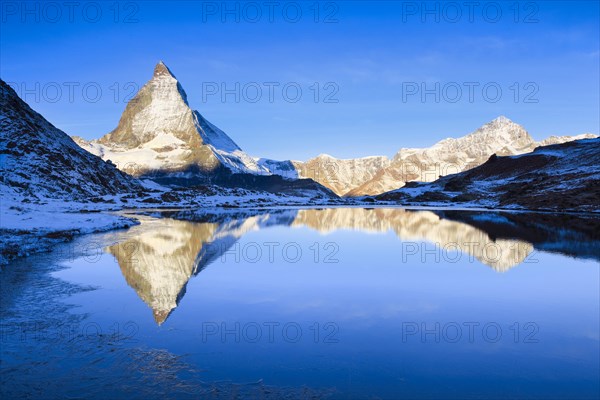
(39, 159)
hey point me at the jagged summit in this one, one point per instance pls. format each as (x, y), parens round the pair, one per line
(502, 128)
(500, 136)
(160, 137)
(162, 69)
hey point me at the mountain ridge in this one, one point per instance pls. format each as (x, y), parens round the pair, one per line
(558, 177)
(38, 159)
(500, 136)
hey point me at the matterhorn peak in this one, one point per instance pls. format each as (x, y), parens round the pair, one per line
(166, 83)
(158, 131)
(161, 69)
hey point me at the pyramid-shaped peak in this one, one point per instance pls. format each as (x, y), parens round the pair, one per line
(161, 70)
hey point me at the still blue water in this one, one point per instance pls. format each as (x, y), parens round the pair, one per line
(334, 303)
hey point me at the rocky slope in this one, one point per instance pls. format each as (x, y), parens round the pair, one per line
(340, 175)
(557, 177)
(39, 160)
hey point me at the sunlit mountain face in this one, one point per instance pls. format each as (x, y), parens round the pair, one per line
(160, 256)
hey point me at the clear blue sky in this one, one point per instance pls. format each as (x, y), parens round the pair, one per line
(374, 53)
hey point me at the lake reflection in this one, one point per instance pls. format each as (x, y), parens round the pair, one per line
(158, 262)
(312, 303)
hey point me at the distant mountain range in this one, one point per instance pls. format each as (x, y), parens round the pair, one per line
(564, 176)
(374, 175)
(160, 136)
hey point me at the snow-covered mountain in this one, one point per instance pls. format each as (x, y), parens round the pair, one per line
(159, 133)
(374, 175)
(500, 136)
(562, 177)
(160, 137)
(38, 160)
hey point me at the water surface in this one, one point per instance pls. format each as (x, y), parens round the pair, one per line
(331, 303)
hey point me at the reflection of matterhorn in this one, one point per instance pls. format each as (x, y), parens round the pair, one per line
(163, 254)
(160, 260)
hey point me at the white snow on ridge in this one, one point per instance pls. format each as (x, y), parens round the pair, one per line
(564, 139)
(226, 150)
(143, 158)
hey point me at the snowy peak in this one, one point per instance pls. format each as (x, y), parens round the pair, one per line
(503, 129)
(159, 133)
(165, 81)
(378, 174)
(160, 107)
(500, 136)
